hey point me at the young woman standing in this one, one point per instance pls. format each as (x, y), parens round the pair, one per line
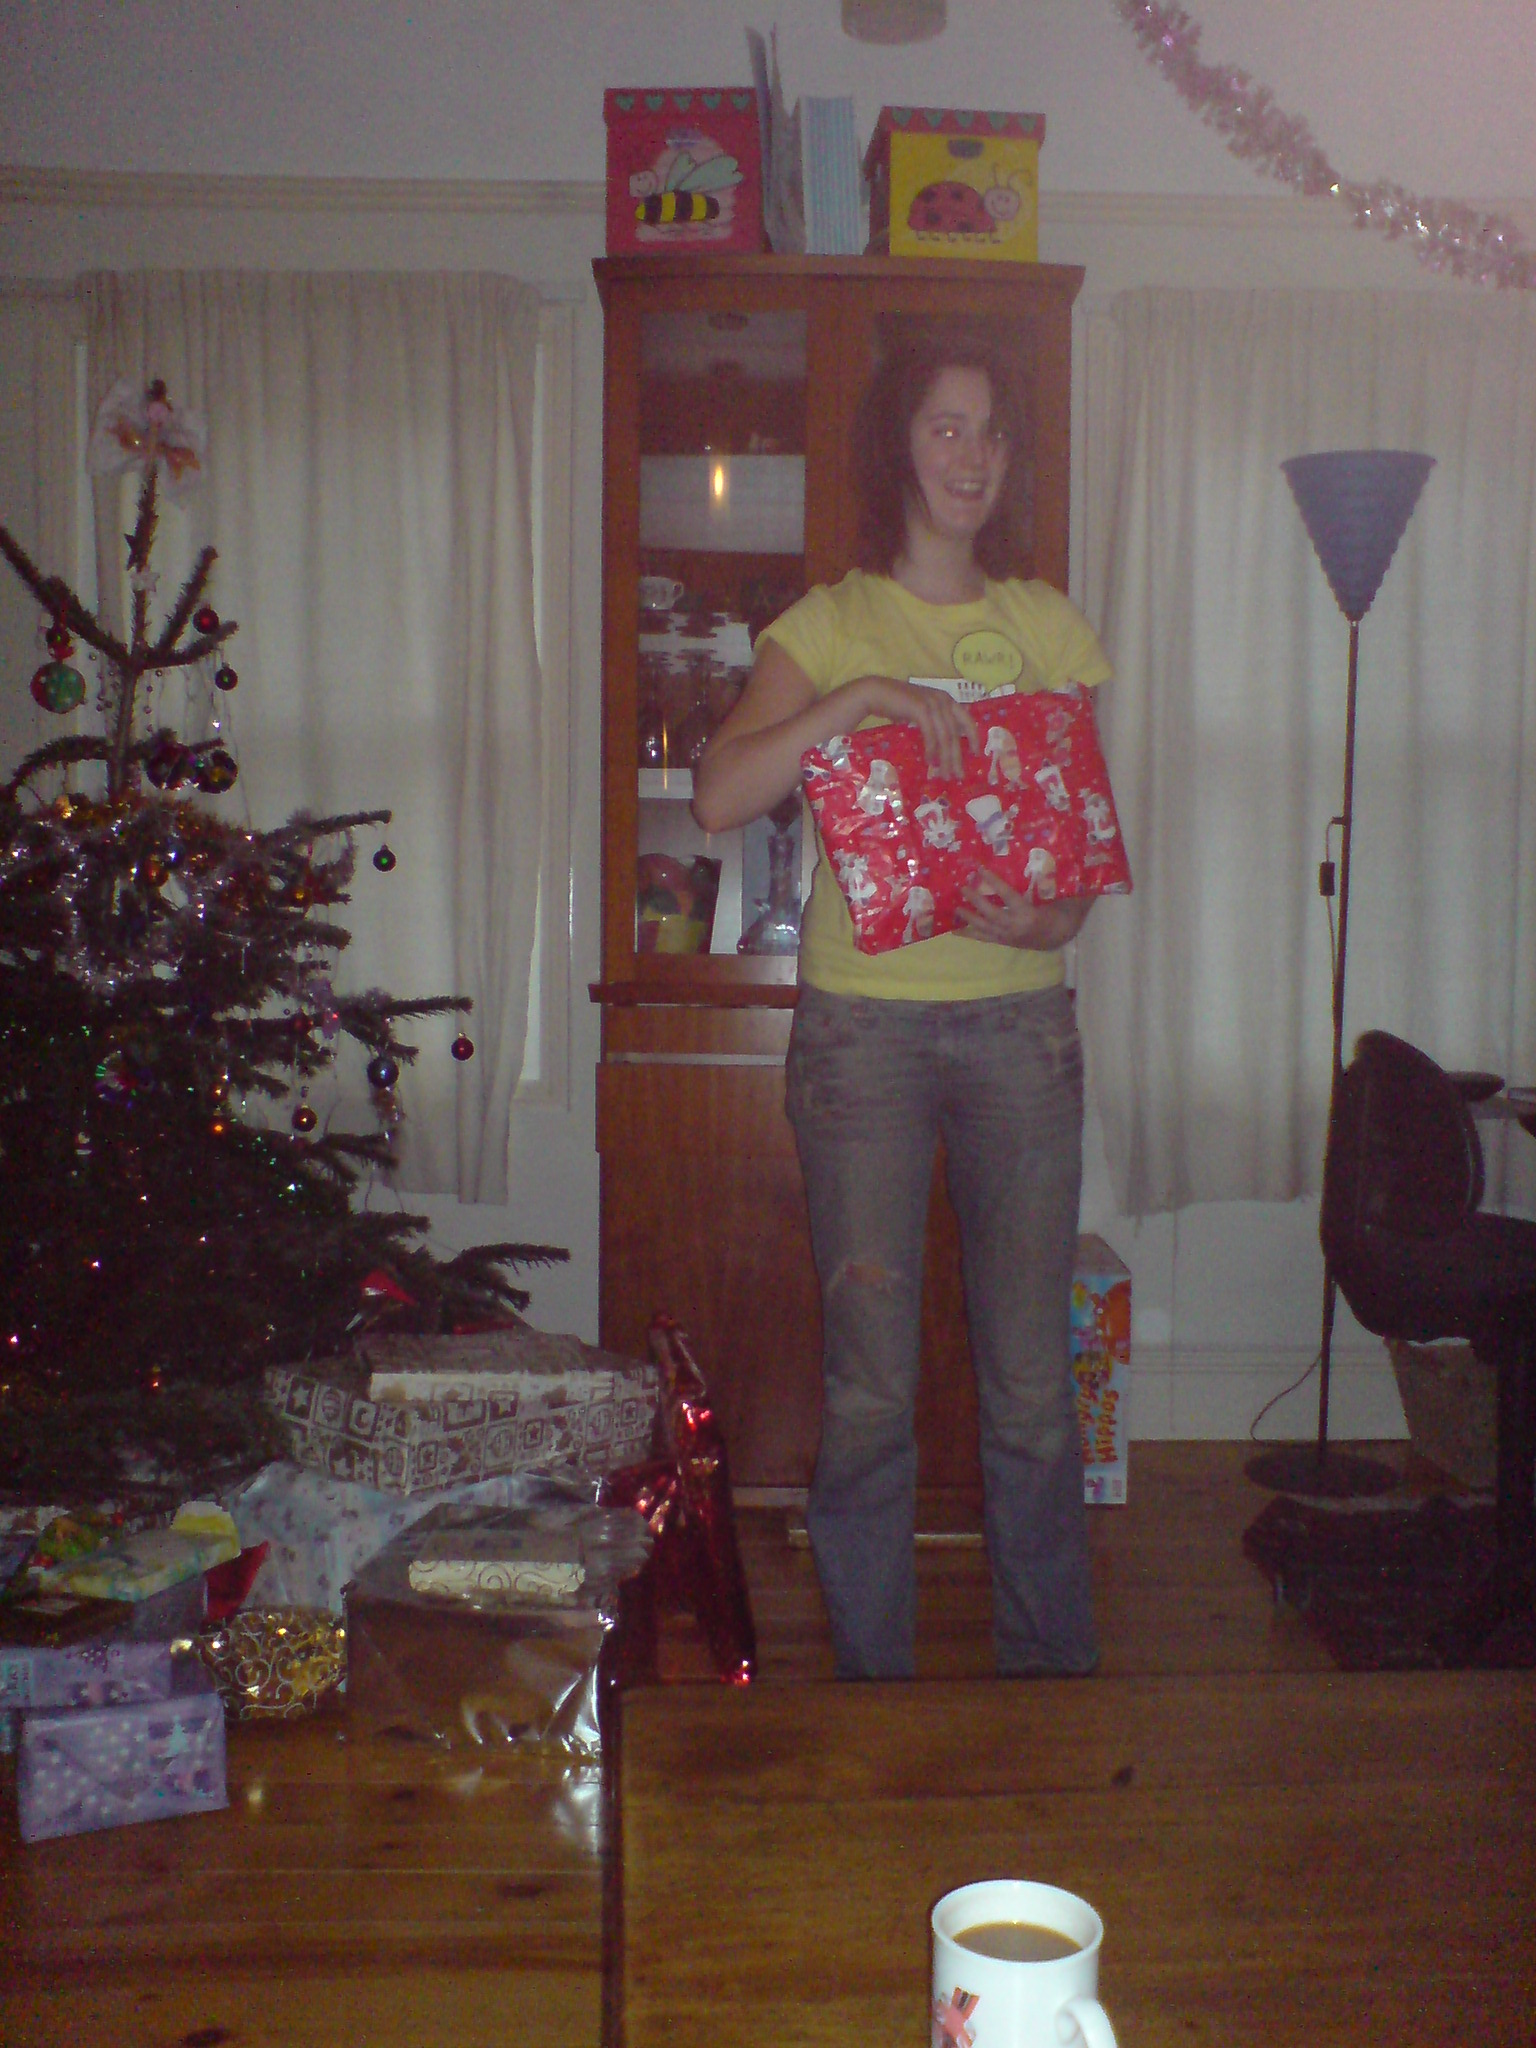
(969, 1036)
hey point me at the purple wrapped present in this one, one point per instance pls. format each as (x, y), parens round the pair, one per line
(101, 1767)
(114, 1672)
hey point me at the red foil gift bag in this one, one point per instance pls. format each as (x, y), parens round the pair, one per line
(1033, 806)
(686, 1501)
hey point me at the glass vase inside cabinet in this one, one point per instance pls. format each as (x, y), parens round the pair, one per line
(721, 534)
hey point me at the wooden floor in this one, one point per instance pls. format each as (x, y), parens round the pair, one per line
(1281, 1860)
(1172, 1589)
(353, 1893)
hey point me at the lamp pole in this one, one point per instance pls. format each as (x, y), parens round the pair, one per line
(1355, 504)
(1346, 827)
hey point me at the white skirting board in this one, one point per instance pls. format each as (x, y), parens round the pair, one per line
(1214, 1393)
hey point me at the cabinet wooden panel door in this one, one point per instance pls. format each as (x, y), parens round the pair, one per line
(729, 389)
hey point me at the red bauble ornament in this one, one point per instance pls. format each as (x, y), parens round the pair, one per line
(206, 619)
(215, 771)
(463, 1048)
(58, 687)
(224, 677)
(167, 765)
(304, 1118)
(384, 860)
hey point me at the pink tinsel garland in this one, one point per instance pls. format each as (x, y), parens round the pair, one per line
(1443, 233)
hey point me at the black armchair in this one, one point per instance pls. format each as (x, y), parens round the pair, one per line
(1416, 1259)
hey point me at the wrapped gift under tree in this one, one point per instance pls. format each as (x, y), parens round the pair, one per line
(81, 1768)
(415, 1415)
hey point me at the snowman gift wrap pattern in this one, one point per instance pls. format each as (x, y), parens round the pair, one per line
(1033, 807)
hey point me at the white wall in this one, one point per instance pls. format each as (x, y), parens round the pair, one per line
(470, 134)
(1436, 96)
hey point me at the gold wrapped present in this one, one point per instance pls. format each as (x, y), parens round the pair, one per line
(274, 1663)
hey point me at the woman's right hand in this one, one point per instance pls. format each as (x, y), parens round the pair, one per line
(947, 727)
(752, 762)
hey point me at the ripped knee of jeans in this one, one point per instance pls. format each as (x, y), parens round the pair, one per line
(870, 1274)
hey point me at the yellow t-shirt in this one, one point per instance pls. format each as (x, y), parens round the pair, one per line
(1026, 634)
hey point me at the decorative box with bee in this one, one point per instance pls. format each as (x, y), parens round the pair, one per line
(684, 170)
(947, 181)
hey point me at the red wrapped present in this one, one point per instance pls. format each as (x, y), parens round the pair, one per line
(1033, 806)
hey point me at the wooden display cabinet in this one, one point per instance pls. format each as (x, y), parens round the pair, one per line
(729, 389)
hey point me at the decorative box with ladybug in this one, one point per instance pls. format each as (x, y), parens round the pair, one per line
(684, 170)
(946, 181)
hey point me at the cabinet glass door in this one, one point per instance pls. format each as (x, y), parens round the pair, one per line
(722, 435)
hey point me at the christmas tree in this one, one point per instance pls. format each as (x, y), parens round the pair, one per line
(163, 976)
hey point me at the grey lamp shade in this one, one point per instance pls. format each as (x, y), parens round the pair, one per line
(1355, 503)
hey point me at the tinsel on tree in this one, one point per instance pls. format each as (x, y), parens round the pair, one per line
(162, 973)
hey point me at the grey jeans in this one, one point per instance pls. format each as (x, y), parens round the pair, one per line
(871, 1086)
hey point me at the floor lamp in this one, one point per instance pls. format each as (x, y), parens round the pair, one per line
(1355, 504)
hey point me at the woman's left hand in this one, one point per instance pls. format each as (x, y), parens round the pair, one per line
(998, 913)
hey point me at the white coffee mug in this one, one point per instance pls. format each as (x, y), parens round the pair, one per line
(987, 2001)
(659, 593)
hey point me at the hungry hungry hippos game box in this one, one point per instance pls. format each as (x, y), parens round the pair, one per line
(1101, 1366)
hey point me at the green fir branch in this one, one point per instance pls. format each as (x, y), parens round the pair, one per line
(181, 611)
(520, 1255)
(60, 753)
(56, 598)
(303, 829)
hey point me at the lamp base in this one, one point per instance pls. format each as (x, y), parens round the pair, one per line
(1300, 1469)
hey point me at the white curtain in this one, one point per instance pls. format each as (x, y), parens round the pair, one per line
(39, 328)
(369, 492)
(1206, 995)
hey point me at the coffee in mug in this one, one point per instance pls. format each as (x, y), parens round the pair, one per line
(1016, 1965)
(1018, 1941)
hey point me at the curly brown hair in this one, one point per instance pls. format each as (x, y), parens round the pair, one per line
(882, 444)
